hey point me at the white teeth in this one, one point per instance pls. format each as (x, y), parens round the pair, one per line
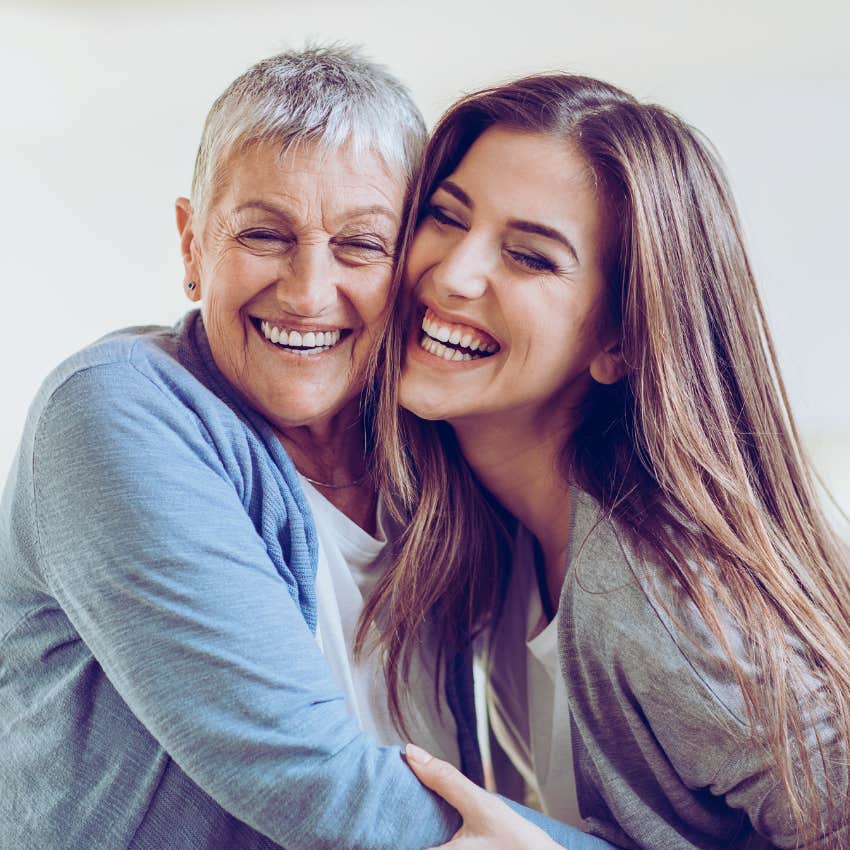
(444, 352)
(467, 339)
(310, 341)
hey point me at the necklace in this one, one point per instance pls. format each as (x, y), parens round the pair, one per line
(342, 486)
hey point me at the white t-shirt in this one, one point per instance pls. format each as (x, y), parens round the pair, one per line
(526, 693)
(349, 568)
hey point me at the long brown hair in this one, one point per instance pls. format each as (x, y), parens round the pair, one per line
(695, 452)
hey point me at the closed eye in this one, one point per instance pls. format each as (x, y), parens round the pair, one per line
(532, 262)
(361, 245)
(441, 216)
(261, 235)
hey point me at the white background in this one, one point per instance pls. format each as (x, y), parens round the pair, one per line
(103, 102)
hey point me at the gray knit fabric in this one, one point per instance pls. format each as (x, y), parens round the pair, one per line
(663, 755)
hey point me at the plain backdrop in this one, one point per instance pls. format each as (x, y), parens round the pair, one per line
(103, 104)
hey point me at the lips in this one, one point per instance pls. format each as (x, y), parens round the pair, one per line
(455, 341)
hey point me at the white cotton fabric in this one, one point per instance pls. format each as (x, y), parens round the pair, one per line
(527, 697)
(350, 564)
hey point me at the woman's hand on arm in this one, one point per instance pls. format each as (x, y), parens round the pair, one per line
(489, 823)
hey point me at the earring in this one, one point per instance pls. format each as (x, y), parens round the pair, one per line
(191, 285)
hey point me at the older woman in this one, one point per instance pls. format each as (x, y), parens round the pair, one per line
(160, 682)
(158, 551)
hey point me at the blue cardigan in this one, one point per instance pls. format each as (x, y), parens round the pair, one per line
(160, 685)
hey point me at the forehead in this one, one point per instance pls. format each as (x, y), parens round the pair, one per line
(308, 175)
(529, 174)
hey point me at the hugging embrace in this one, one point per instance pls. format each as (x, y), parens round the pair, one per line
(503, 393)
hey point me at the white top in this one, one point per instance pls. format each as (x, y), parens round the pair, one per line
(527, 697)
(349, 568)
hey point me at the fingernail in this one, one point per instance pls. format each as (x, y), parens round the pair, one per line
(417, 754)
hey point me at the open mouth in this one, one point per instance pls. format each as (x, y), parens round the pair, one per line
(455, 341)
(300, 341)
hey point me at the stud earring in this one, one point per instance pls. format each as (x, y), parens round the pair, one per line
(191, 285)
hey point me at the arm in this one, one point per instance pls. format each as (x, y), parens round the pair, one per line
(147, 547)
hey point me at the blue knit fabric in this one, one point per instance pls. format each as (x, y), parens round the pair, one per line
(160, 684)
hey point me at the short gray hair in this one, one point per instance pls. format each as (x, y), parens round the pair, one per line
(331, 96)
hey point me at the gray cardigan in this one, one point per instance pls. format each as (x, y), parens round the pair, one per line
(662, 753)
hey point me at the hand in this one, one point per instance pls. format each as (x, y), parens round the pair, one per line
(488, 823)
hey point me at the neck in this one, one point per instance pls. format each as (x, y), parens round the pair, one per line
(521, 467)
(332, 453)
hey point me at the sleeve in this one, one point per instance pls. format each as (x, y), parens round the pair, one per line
(660, 697)
(148, 549)
(564, 835)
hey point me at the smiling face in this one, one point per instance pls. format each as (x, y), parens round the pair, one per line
(506, 279)
(293, 261)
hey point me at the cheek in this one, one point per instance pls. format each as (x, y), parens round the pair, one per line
(425, 250)
(370, 295)
(547, 333)
(223, 320)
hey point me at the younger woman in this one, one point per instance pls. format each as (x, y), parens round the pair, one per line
(669, 656)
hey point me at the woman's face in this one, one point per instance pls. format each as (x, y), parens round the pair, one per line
(505, 274)
(293, 262)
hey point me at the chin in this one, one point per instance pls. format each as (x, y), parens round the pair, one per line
(419, 406)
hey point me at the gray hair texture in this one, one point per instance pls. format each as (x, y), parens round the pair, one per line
(331, 96)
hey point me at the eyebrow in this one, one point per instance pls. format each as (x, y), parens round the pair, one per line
(546, 232)
(515, 223)
(455, 191)
(371, 210)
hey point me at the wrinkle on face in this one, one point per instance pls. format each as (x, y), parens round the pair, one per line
(284, 236)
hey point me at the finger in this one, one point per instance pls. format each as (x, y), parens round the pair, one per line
(447, 781)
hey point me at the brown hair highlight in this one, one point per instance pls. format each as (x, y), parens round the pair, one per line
(694, 453)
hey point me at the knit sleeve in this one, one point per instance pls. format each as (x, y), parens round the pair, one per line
(150, 552)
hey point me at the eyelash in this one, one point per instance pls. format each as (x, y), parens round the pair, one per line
(531, 262)
(440, 216)
(263, 236)
(361, 245)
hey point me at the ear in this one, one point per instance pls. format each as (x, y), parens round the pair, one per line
(608, 366)
(189, 248)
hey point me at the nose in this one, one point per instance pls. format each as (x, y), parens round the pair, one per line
(464, 272)
(308, 288)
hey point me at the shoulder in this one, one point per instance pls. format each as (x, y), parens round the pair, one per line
(160, 354)
(626, 617)
(139, 374)
(143, 399)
